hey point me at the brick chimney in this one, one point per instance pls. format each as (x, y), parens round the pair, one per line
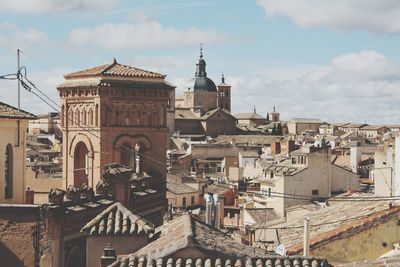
(118, 176)
(56, 196)
(29, 196)
(109, 256)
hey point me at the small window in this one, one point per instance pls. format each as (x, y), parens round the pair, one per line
(184, 201)
(192, 200)
(315, 192)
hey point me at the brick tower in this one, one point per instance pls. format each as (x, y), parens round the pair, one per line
(113, 113)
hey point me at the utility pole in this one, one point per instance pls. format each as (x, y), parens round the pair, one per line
(18, 77)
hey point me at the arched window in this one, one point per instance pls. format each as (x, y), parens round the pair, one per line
(70, 118)
(116, 122)
(127, 118)
(90, 120)
(96, 119)
(77, 118)
(8, 171)
(81, 164)
(62, 115)
(83, 117)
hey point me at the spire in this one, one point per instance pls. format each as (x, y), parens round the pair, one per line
(201, 65)
(255, 109)
(274, 108)
(222, 78)
(115, 61)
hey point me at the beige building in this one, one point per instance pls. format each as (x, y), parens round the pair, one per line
(309, 173)
(182, 196)
(348, 230)
(299, 125)
(13, 129)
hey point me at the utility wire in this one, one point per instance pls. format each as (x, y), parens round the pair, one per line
(28, 85)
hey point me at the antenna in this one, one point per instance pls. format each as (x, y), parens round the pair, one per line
(18, 79)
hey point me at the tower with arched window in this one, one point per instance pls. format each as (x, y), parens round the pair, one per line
(113, 113)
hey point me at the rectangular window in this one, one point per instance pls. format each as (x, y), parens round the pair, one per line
(315, 192)
(184, 202)
(192, 200)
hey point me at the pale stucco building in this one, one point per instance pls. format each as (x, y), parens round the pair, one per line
(13, 129)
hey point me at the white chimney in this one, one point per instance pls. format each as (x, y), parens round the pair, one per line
(306, 243)
(217, 213)
(209, 208)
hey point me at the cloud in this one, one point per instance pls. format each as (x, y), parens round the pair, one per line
(43, 6)
(13, 37)
(370, 15)
(355, 87)
(144, 34)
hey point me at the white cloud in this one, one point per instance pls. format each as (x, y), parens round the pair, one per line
(43, 6)
(13, 37)
(356, 87)
(368, 15)
(144, 34)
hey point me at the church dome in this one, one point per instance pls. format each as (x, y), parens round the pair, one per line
(201, 84)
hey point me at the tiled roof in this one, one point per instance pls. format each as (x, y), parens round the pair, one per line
(373, 127)
(271, 261)
(114, 69)
(333, 220)
(118, 220)
(187, 231)
(179, 188)
(184, 114)
(249, 115)
(305, 120)
(218, 188)
(7, 111)
(262, 215)
(249, 139)
(355, 125)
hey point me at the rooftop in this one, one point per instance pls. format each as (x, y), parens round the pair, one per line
(179, 188)
(118, 220)
(114, 69)
(305, 120)
(334, 220)
(10, 112)
(249, 115)
(266, 261)
(187, 231)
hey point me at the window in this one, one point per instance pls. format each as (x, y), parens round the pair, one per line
(8, 171)
(192, 200)
(315, 192)
(184, 201)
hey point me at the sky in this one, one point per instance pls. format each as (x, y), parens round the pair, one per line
(334, 60)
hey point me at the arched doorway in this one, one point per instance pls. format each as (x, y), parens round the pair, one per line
(81, 164)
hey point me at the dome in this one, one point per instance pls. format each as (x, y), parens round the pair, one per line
(201, 84)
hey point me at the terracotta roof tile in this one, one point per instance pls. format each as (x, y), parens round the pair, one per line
(114, 69)
(179, 188)
(229, 261)
(118, 220)
(7, 111)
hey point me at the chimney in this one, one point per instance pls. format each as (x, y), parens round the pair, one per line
(355, 155)
(209, 208)
(109, 256)
(222, 211)
(56, 196)
(306, 241)
(118, 176)
(29, 196)
(217, 213)
(290, 146)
